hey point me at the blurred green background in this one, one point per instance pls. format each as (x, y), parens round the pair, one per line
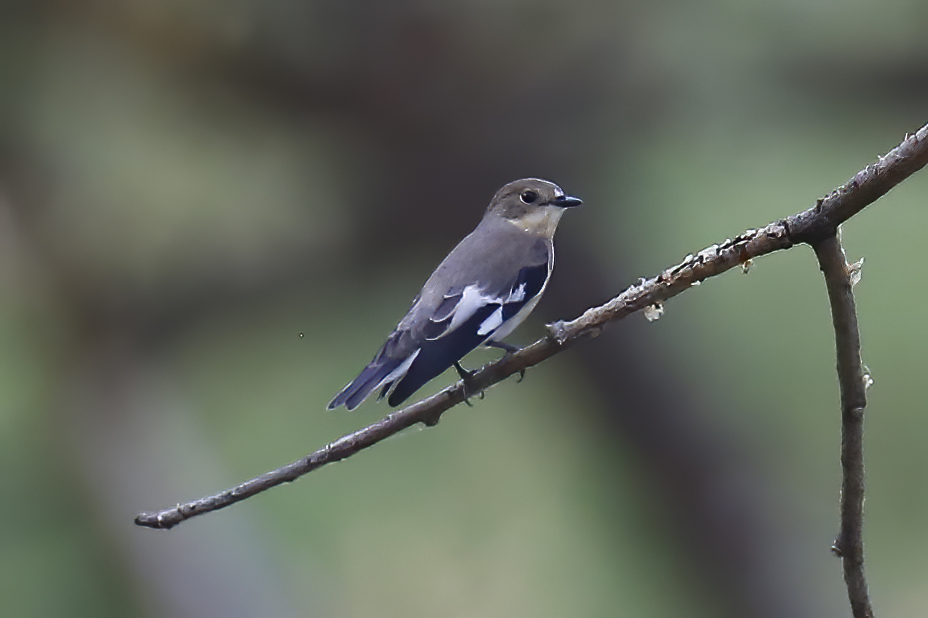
(187, 187)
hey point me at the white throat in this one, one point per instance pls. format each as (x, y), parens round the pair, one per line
(541, 222)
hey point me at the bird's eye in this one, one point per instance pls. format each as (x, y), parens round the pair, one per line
(528, 197)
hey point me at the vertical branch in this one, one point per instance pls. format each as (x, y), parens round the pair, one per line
(852, 382)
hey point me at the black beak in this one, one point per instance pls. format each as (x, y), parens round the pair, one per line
(567, 201)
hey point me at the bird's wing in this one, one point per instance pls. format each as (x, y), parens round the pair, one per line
(464, 320)
(459, 306)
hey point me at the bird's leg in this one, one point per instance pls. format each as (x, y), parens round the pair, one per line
(510, 350)
(467, 377)
(502, 345)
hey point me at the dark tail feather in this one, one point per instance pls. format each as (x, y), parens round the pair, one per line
(393, 353)
(410, 384)
(352, 395)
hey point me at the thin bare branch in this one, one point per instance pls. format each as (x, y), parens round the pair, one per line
(849, 545)
(809, 226)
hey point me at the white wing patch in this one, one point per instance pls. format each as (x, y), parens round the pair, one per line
(514, 321)
(491, 323)
(472, 299)
(518, 295)
(496, 318)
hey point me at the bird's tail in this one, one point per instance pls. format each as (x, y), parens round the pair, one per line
(358, 390)
(382, 372)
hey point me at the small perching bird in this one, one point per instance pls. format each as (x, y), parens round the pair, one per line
(480, 292)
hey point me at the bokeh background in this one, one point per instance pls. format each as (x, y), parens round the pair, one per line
(185, 188)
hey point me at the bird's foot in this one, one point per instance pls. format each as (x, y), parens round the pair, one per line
(509, 351)
(468, 378)
(502, 345)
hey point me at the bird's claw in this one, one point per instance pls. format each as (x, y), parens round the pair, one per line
(467, 377)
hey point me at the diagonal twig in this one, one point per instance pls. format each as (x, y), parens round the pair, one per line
(808, 226)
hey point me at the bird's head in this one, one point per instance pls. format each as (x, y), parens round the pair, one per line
(533, 204)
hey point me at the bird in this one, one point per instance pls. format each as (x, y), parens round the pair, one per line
(478, 295)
